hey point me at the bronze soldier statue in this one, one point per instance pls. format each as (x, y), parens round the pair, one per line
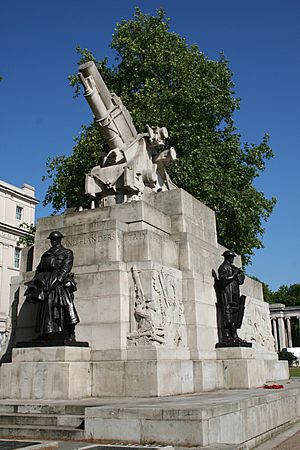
(53, 289)
(230, 304)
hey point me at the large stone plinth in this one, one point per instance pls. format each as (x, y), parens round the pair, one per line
(142, 378)
(52, 373)
(240, 367)
(146, 300)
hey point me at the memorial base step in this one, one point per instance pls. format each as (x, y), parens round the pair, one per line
(68, 373)
(211, 420)
(38, 432)
(41, 421)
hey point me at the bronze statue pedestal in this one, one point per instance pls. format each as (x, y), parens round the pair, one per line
(48, 373)
(243, 369)
(58, 339)
(233, 344)
(53, 343)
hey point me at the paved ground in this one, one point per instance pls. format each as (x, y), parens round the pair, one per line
(286, 440)
(293, 443)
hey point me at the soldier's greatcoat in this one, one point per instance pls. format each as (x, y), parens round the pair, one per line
(229, 288)
(52, 287)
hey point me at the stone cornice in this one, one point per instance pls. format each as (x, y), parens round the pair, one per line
(6, 228)
(17, 193)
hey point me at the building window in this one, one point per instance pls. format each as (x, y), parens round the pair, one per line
(19, 212)
(17, 258)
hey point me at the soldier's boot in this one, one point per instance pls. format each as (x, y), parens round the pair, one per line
(70, 335)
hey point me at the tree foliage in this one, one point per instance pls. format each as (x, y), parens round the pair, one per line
(28, 239)
(68, 172)
(288, 295)
(166, 82)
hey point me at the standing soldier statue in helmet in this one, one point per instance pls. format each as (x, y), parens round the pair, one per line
(230, 304)
(53, 289)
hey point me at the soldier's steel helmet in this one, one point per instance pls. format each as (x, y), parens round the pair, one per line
(55, 235)
(228, 253)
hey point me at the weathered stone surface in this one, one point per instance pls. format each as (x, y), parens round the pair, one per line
(180, 234)
(157, 315)
(51, 354)
(108, 379)
(208, 375)
(227, 417)
(146, 245)
(45, 380)
(142, 378)
(146, 300)
(276, 370)
(243, 373)
(235, 353)
(157, 353)
(256, 327)
(184, 209)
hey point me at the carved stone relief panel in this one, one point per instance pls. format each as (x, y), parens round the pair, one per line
(156, 308)
(256, 327)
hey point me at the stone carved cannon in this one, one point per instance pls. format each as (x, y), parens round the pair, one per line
(134, 161)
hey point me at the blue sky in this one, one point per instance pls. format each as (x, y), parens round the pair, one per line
(261, 40)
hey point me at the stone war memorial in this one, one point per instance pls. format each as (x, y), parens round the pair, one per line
(135, 312)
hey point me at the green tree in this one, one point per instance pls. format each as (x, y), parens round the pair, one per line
(166, 82)
(288, 295)
(28, 239)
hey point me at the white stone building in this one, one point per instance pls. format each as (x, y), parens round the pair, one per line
(282, 318)
(17, 206)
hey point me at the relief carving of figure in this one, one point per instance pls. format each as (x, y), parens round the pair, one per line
(159, 317)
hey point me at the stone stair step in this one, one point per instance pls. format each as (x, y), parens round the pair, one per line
(70, 420)
(40, 419)
(42, 408)
(44, 432)
(27, 419)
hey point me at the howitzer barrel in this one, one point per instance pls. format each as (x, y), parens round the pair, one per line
(110, 113)
(89, 69)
